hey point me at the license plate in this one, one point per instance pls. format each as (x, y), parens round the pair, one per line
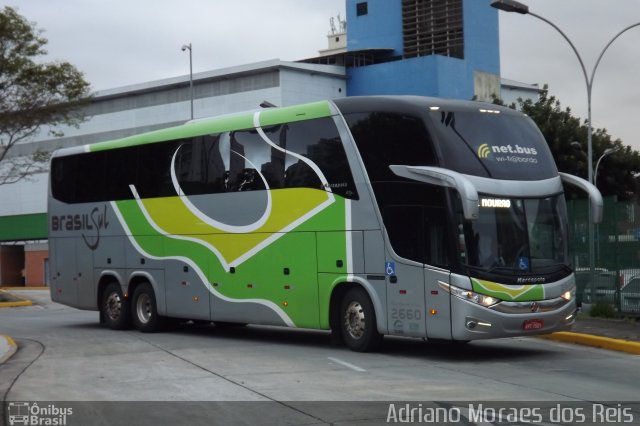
(534, 324)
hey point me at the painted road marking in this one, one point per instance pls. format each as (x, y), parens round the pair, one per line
(346, 364)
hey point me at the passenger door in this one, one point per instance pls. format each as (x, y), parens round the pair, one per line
(418, 306)
(405, 297)
(404, 273)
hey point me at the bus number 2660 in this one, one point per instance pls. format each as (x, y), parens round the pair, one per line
(406, 314)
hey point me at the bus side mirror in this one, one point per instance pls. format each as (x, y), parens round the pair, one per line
(447, 178)
(595, 198)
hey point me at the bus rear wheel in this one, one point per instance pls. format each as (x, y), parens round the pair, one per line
(358, 322)
(145, 310)
(115, 308)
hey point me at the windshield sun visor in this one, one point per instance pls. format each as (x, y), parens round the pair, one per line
(595, 198)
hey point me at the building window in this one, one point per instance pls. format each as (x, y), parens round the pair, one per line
(362, 8)
(432, 27)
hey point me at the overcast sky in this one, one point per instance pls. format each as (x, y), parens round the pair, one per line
(122, 42)
(532, 51)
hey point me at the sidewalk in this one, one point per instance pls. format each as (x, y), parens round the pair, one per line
(7, 348)
(624, 329)
(10, 300)
(614, 334)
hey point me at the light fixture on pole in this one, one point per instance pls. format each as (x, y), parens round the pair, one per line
(185, 47)
(514, 6)
(606, 152)
(576, 145)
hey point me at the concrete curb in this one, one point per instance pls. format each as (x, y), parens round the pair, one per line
(7, 348)
(21, 301)
(595, 341)
(24, 288)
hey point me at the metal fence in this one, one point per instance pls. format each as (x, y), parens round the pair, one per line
(617, 254)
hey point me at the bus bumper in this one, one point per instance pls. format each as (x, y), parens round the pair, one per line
(470, 321)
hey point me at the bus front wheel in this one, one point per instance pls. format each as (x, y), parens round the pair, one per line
(358, 321)
(115, 308)
(145, 310)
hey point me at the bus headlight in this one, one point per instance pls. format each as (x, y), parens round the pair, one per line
(471, 296)
(567, 295)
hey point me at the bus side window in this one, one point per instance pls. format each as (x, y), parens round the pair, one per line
(199, 166)
(319, 141)
(63, 178)
(404, 225)
(299, 174)
(414, 215)
(417, 232)
(385, 138)
(120, 173)
(154, 169)
(253, 161)
(91, 177)
(435, 236)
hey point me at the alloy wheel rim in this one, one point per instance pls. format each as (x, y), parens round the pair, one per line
(143, 308)
(113, 306)
(354, 320)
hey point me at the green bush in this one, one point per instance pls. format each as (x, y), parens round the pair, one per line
(602, 310)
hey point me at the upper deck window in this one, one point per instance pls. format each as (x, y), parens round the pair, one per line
(302, 154)
(386, 138)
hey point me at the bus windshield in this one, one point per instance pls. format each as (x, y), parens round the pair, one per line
(498, 146)
(521, 236)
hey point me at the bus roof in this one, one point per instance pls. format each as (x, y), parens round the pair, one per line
(407, 103)
(204, 126)
(273, 116)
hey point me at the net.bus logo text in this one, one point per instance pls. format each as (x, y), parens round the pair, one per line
(509, 153)
(92, 223)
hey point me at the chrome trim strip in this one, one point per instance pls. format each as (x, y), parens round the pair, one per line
(527, 307)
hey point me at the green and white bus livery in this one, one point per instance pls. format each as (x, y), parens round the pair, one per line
(366, 216)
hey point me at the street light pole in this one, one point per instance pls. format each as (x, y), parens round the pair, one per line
(514, 6)
(185, 47)
(606, 152)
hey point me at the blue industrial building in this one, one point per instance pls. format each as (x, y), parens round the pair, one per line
(446, 48)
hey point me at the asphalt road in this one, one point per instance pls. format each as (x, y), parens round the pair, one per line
(65, 355)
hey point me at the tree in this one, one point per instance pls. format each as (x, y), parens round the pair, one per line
(616, 174)
(33, 94)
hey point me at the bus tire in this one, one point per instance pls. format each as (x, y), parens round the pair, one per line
(114, 309)
(358, 321)
(144, 309)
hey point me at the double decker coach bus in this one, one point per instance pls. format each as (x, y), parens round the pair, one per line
(366, 216)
